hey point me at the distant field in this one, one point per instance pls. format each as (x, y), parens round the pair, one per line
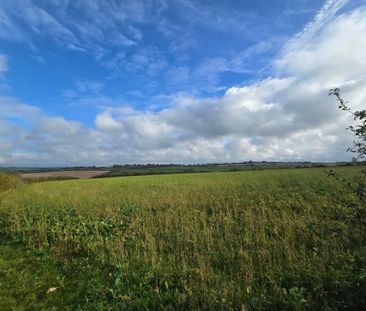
(64, 174)
(254, 240)
(43, 174)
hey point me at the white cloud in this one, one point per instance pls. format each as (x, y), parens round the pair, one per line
(239, 63)
(42, 23)
(284, 117)
(325, 14)
(15, 14)
(8, 29)
(98, 23)
(105, 123)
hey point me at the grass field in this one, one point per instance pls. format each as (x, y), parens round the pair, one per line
(258, 240)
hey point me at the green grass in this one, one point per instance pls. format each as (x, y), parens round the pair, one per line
(25, 278)
(276, 239)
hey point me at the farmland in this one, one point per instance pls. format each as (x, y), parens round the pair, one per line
(63, 174)
(253, 240)
(56, 173)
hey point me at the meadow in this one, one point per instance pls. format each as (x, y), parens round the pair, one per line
(284, 239)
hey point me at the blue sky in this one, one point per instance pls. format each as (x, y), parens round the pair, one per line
(165, 81)
(137, 51)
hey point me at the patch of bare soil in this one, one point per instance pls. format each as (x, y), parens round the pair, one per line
(64, 174)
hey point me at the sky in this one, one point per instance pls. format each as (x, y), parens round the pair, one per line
(102, 82)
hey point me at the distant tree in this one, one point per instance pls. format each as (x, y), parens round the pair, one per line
(356, 184)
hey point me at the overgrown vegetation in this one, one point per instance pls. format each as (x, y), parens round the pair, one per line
(8, 182)
(30, 280)
(357, 183)
(278, 240)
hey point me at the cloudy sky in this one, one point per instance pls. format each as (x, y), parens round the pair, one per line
(98, 82)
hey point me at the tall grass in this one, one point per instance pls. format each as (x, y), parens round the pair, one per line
(281, 239)
(9, 182)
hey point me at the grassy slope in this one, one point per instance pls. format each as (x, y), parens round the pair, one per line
(271, 239)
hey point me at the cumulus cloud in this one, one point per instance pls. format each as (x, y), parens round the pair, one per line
(105, 123)
(287, 116)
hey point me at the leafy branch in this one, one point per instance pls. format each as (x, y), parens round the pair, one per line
(356, 184)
